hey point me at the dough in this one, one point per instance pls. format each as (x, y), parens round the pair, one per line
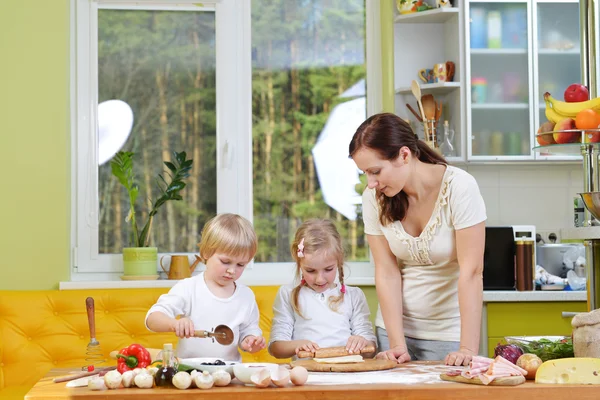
(341, 360)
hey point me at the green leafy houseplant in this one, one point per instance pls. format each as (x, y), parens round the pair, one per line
(178, 170)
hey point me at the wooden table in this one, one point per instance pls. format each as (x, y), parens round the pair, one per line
(45, 389)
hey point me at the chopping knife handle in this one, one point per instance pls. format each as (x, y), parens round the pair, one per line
(333, 352)
(89, 305)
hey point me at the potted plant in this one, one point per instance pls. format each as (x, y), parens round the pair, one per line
(140, 259)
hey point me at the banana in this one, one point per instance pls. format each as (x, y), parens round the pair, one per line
(553, 116)
(570, 110)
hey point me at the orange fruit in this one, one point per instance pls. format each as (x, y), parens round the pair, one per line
(587, 119)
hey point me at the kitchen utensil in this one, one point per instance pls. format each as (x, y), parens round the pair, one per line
(438, 110)
(503, 381)
(222, 334)
(416, 91)
(416, 114)
(429, 106)
(93, 353)
(332, 352)
(100, 372)
(180, 267)
(366, 365)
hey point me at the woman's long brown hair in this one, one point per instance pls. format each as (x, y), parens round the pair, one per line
(386, 134)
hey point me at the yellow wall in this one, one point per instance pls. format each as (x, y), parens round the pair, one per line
(34, 143)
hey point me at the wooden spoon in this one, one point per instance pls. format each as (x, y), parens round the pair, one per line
(429, 106)
(412, 110)
(416, 91)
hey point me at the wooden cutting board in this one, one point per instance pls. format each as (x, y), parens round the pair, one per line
(367, 365)
(504, 381)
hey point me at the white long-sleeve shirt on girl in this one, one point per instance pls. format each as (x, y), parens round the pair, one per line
(193, 299)
(321, 324)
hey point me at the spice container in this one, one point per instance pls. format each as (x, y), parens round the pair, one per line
(524, 264)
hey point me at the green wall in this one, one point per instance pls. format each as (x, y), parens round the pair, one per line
(34, 144)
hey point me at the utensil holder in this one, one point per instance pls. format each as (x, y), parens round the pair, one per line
(430, 128)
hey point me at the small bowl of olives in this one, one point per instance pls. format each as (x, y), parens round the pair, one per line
(209, 364)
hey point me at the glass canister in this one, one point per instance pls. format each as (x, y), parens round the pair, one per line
(524, 265)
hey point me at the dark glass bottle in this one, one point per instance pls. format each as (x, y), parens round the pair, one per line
(164, 375)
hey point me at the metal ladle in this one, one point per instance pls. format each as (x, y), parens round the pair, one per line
(222, 334)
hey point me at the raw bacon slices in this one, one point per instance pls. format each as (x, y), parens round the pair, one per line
(487, 369)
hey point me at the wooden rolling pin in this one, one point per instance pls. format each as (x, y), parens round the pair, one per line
(332, 352)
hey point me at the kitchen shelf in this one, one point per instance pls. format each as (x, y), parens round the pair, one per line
(573, 52)
(565, 149)
(499, 106)
(434, 88)
(489, 52)
(583, 233)
(435, 16)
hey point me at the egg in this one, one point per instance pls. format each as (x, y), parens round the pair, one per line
(280, 377)
(261, 378)
(299, 375)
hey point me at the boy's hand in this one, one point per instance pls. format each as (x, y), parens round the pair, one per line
(307, 346)
(355, 344)
(252, 343)
(183, 327)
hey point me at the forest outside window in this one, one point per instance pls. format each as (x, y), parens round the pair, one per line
(281, 68)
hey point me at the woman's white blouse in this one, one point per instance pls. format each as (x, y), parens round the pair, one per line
(428, 263)
(321, 324)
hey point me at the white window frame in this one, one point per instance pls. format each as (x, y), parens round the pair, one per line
(234, 129)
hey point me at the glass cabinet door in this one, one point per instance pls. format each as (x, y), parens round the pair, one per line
(499, 111)
(557, 49)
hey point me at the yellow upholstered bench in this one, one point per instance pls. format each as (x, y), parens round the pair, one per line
(41, 330)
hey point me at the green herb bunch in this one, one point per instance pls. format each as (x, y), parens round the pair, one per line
(547, 349)
(178, 171)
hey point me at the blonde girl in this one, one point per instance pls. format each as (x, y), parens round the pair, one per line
(320, 310)
(213, 297)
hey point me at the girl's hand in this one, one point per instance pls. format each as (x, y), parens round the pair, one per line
(355, 344)
(307, 346)
(252, 343)
(461, 357)
(397, 353)
(183, 327)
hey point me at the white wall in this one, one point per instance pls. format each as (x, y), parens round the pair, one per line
(540, 195)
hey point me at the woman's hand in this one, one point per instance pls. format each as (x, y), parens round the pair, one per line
(461, 357)
(355, 344)
(252, 343)
(307, 346)
(397, 353)
(183, 327)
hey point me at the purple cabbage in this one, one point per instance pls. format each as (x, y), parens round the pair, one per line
(511, 352)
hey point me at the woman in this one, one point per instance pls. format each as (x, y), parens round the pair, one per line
(425, 224)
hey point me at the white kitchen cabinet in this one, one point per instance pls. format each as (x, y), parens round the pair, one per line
(516, 50)
(507, 53)
(421, 40)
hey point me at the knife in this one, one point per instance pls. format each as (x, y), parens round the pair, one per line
(333, 352)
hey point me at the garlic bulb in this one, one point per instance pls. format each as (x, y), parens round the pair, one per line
(221, 377)
(96, 384)
(112, 379)
(261, 378)
(127, 378)
(204, 380)
(281, 377)
(182, 380)
(143, 381)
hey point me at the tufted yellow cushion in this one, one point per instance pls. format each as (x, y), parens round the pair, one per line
(40, 330)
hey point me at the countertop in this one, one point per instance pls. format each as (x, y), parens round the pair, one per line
(488, 295)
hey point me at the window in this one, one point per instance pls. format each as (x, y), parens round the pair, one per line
(247, 89)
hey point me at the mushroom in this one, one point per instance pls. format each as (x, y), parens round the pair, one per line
(96, 384)
(204, 380)
(112, 379)
(182, 380)
(127, 378)
(221, 377)
(143, 381)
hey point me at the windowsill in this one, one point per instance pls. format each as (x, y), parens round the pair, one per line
(263, 274)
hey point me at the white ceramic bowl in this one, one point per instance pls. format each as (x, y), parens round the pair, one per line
(197, 364)
(244, 371)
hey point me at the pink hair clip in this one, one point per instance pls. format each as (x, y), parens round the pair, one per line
(301, 248)
(343, 289)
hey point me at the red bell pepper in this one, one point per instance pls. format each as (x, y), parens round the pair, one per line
(134, 356)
